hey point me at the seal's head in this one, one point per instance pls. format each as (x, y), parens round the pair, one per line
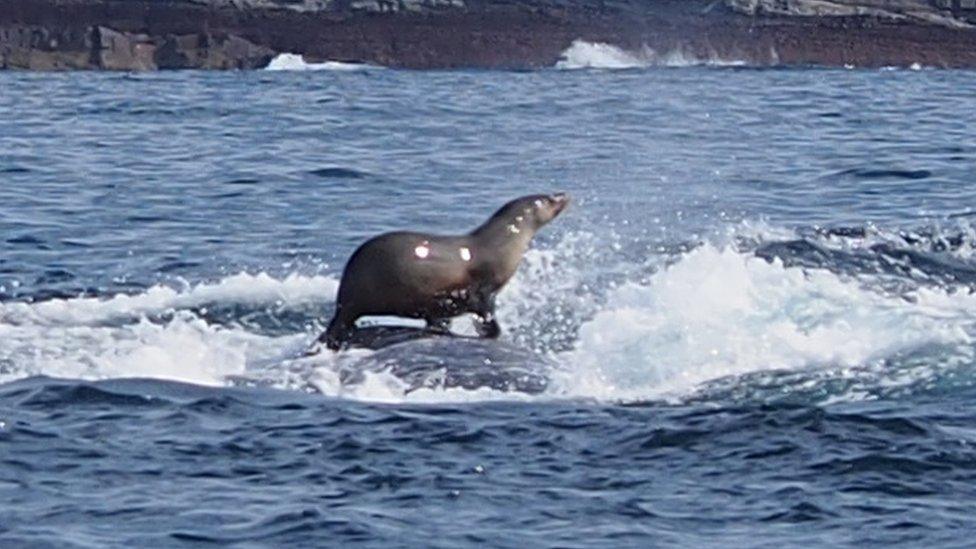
(530, 213)
(547, 206)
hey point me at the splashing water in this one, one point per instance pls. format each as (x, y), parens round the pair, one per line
(599, 55)
(295, 62)
(161, 333)
(715, 311)
(720, 312)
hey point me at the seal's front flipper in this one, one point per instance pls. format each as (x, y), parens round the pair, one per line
(337, 334)
(487, 326)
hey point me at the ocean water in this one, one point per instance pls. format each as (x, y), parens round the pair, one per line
(754, 327)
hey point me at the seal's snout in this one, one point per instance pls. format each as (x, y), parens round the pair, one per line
(560, 200)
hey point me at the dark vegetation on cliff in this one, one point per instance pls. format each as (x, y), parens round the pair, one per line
(225, 34)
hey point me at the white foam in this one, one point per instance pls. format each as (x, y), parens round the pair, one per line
(295, 62)
(715, 312)
(599, 55)
(185, 348)
(916, 66)
(91, 338)
(718, 312)
(242, 288)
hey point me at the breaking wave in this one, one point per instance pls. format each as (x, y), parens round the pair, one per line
(821, 308)
(295, 62)
(598, 55)
(719, 312)
(199, 334)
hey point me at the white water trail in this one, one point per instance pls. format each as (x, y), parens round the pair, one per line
(714, 312)
(718, 312)
(153, 333)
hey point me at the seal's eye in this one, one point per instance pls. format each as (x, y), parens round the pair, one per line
(538, 202)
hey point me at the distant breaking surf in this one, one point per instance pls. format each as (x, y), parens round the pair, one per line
(599, 55)
(295, 62)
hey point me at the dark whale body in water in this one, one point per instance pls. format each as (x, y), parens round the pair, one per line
(421, 359)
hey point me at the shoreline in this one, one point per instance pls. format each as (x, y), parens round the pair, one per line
(490, 34)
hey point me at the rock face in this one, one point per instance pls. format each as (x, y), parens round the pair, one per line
(244, 34)
(99, 47)
(922, 11)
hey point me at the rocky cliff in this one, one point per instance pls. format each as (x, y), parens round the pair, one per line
(242, 34)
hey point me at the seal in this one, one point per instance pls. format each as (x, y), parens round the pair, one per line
(435, 277)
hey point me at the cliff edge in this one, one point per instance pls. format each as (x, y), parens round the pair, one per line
(245, 34)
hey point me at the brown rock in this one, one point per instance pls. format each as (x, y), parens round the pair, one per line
(207, 51)
(36, 47)
(123, 51)
(229, 34)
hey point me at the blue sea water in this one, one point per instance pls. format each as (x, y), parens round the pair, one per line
(753, 328)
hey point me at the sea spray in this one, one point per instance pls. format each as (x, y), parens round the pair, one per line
(720, 312)
(160, 332)
(599, 55)
(295, 62)
(669, 326)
